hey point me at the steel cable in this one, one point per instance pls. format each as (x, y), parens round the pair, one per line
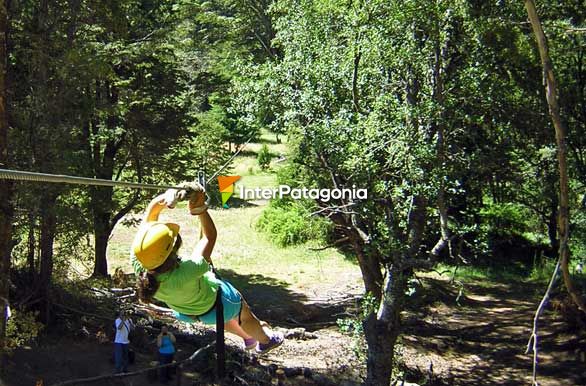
(19, 175)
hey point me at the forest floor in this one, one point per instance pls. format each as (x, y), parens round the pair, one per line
(480, 341)
(478, 338)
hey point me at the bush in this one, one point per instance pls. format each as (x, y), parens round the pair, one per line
(264, 157)
(289, 223)
(505, 220)
(22, 327)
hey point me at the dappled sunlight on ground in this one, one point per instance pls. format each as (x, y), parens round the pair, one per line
(484, 340)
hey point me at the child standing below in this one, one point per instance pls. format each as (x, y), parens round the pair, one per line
(166, 343)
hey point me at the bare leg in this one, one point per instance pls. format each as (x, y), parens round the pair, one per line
(233, 327)
(252, 325)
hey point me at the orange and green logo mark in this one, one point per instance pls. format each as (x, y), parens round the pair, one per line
(226, 184)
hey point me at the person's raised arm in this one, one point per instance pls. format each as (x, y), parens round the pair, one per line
(198, 207)
(172, 337)
(154, 208)
(209, 234)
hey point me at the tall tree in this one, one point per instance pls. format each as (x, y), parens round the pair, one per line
(132, 107)
(367, 115)
(562, 151)
(5, 188)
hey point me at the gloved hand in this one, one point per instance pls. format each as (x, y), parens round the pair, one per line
(197, 204)
(196, 196)
(190, 189)
(172, 196)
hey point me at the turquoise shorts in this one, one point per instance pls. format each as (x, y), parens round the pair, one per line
(232, 301)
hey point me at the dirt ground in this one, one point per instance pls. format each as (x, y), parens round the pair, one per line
(483, 339)
(479, 341)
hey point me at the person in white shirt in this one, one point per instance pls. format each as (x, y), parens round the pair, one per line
(123, 325)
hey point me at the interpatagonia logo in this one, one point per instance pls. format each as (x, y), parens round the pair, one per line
(226, 185)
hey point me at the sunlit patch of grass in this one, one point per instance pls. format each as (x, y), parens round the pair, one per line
(479, 274)
(271, 140)
(240, 247)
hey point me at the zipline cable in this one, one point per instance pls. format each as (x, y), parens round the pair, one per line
(230, 160)
(19, 175)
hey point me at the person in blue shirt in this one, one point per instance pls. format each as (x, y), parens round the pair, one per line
(166, 344)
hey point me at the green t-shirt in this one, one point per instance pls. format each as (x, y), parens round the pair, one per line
(189, 289)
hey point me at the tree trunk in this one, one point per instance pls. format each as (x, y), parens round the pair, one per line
(48, 230)
(439, 126)
(102, 233)
(102, 198)
(560, 136)
(6, 210)
(31, 246)
(552, 227)
(371, 271)
(381, 329)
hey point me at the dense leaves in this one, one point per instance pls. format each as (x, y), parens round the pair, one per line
(436, 107)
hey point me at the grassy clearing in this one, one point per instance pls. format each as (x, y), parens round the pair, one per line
(540, 272)
(244, 250)
(240, 247)
(479, 275)
(246, 165)
(271, 140)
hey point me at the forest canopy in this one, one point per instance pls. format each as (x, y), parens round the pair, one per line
(438, 109)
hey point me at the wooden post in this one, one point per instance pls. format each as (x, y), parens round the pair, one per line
(220, 347)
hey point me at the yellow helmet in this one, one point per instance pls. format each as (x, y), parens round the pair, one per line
(154, 242)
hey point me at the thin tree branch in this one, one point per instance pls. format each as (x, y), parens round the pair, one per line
(333, 209)
(533, 337)
(561, 142)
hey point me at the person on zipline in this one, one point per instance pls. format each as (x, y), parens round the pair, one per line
(189, 285)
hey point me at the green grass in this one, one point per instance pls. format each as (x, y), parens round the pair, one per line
(241, 248)
(480, 274)
(271, 140)
(540, 272)
(246, 164)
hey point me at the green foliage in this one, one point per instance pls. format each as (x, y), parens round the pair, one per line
(290, 223)
(21, 329)
(542, 270)
(578, 230)
(264, 157)
(202, 150)
(505, 219)
(354, 325)
(483, 274)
